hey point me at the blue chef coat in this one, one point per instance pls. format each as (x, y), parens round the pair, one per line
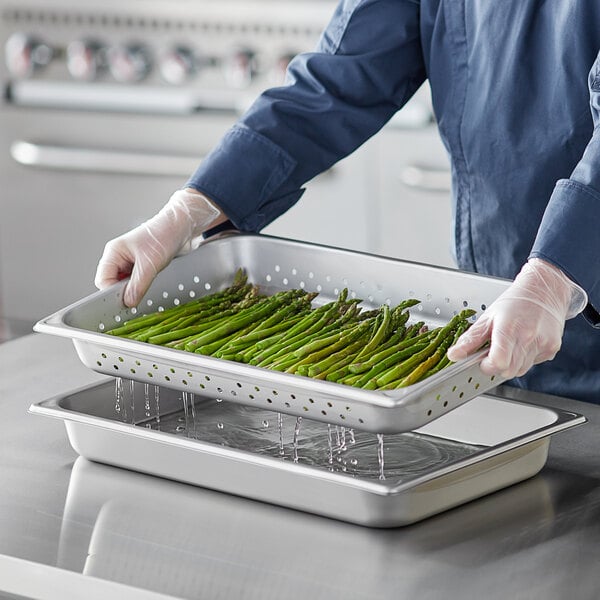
(512, 85)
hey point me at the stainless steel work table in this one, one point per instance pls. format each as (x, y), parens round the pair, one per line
(70, 527)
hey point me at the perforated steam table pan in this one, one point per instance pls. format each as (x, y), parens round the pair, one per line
(277, 264)
(359, 477)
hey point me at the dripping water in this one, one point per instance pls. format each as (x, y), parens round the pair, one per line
(380, 456)
(295, 439)
(147, 404)
(280, 429)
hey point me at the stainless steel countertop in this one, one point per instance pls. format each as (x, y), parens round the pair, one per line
(70, 527)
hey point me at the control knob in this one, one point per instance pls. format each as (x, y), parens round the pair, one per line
(86, 59)
(240, 68)
(26, 54)
(129, 63)
(279, 69)
(177, 65)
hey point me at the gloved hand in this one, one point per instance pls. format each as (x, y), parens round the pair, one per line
(147, 249)
(525, 324)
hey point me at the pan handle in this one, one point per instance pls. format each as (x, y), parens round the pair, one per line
(72, 158)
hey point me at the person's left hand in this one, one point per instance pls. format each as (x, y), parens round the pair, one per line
(525, 324)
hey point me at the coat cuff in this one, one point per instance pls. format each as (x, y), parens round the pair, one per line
(243, 174)
(568, 238)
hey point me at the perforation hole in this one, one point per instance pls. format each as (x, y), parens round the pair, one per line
(207, 286)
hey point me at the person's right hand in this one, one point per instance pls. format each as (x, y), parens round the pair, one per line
(144, 251)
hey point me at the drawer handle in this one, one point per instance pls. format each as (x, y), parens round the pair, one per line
(66, 158)
(426, 178)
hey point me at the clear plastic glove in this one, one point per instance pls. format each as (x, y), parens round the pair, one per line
(525, 324)
(150, 247)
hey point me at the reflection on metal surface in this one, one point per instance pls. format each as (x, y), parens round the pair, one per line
(194, 543)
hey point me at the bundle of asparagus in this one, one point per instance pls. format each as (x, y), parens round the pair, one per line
(338, 341)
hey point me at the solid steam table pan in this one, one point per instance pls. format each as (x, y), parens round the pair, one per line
(278, 264)
(355, 476)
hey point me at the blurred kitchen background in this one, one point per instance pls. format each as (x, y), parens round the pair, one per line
(108, 106)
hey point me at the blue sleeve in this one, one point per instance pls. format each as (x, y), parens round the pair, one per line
(368, 63)
(568, 236)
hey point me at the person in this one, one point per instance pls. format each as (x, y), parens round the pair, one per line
(515, 88)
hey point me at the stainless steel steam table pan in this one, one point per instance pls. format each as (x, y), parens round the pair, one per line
(359, 477)
(276, 264)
